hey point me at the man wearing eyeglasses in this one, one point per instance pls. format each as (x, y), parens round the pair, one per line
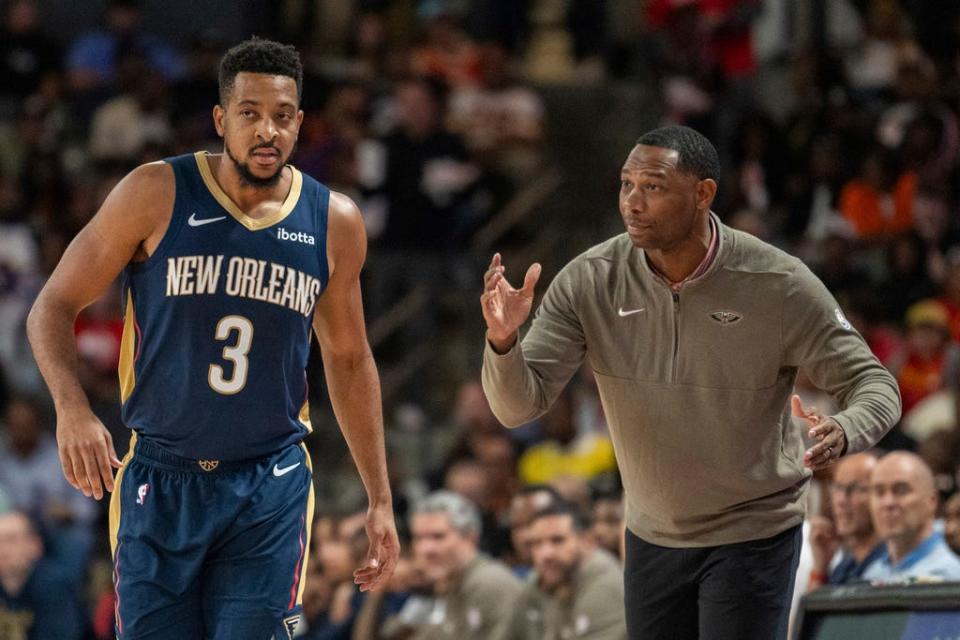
(903, 503)
(845, 545)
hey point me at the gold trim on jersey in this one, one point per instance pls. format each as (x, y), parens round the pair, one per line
(128, 349)
(305, 416)
(253, 224)
(308, 525)
(115, 496)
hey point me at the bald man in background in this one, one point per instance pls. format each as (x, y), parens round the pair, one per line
(903, 502)
(850, 531)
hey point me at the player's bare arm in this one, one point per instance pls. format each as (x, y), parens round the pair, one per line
(127, 227)
(354, 383)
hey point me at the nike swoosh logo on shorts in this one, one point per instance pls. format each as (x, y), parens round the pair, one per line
(624, 314)
(282, 471)
(194, 222)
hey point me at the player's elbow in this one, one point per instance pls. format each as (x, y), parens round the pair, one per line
(35, 319)
(45, 310)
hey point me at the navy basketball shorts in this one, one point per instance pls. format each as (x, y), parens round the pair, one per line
(206, 549)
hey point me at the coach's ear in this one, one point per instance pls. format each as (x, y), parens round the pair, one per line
(706, 192)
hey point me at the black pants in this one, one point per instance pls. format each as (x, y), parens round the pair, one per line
(737, 591)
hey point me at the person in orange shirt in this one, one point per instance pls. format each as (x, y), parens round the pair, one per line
(870, 206)
(928, 339)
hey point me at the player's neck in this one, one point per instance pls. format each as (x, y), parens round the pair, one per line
(246, 196)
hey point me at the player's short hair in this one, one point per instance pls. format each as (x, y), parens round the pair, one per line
(462, 513)
(258, 55)
(698, 156)
(563, 508)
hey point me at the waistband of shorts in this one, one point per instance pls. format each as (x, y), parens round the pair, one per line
(146, 451)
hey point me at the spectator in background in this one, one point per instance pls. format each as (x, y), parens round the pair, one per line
(525, 503)
(26, 55)
(338, 554)
(835, 266)
(500, 119)
(842, 547)
(811, 189)
(576, 590)
(20, 280)
(447, 53)
(419, 181)
(93, 59)
(30, 475)
(124, 126)
(36, 602)
(951, 522)
(903, 502)
(906, 280)
(950, 297)
(928, 343)
(606, 522)
(473, 591)
(564, 452)
(874, 209)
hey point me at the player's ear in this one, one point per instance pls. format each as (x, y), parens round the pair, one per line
(218, 113)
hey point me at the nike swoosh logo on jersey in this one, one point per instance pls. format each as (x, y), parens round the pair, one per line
(623, 314)
(282, 471)
(194, 222)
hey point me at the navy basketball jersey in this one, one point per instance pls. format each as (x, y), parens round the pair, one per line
(218, 321)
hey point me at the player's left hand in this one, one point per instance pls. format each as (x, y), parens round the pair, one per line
(831, 440)
(383, 551)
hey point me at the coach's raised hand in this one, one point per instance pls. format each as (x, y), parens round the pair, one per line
(506, 308)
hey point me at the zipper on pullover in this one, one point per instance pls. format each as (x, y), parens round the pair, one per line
(676, 334)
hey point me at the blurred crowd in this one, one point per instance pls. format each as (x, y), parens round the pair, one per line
(837, 125)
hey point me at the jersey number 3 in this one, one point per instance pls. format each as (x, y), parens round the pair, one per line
(236, 353)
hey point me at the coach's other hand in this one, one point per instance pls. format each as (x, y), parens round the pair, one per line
(830, 437)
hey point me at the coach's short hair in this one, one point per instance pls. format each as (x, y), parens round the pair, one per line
(698, 156)
(463, 514)
(258, 55)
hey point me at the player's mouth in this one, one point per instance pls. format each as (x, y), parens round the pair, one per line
(266, 157)
(635, 228)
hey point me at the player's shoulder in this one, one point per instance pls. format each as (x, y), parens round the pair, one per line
(344, 220)
(147, 190)
(153, 176)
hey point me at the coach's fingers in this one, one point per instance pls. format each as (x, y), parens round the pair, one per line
(531, 278)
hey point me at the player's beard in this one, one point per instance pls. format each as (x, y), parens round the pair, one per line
(247, 177)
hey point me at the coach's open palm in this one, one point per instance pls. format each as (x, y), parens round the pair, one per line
(506, 308)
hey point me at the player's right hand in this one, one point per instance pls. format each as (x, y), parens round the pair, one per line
(505, 309)
(86, 454)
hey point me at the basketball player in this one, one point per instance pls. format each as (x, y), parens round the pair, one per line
(229, 263)
(695, 332)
